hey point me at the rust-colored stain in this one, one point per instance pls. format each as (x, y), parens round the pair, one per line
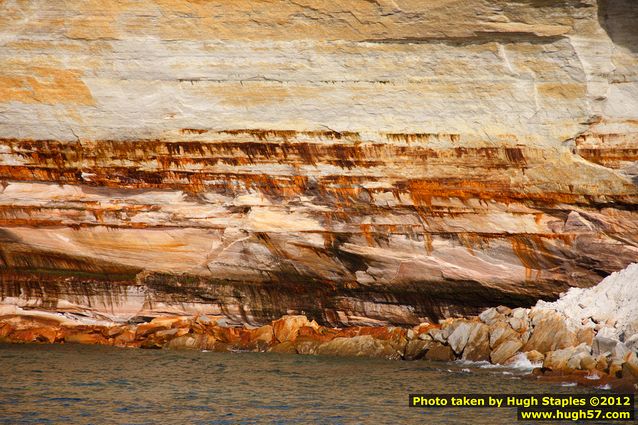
(192, 166)
(533, 253)
(192, 131)
(365, 230)
(609, 150)
(422, 137)
(423, 191)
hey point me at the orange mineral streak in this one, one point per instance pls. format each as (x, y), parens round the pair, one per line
(609, 149)
(366, 231)
(422, 192)
(534, 254)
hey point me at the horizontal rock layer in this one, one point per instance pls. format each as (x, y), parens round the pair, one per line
(358, 162)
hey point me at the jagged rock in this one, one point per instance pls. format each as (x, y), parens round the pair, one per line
(505, 350)
(632, 343)
(603, 345)
(5, 329)
(364, 345)
(518, 325)
(439, 352)
(425, 337)
(286, 347)
(534, 356)
(203, 320)
(585, 336)
(264, 334)
(478, 343)
(620, 351)
(490, 316)
(113, 331)
(146, 329)
(550, 333)
(287, 328)
(85, 338)
(504, 310)
(306, 345)
(459, 335)
(630, 366)
(570, 359)
(416, 349)
(499, 332)
(558, 359)
(191, 342)
(165, 322)
(125, 338)
(37, 334)
(580, 354)
(438, 335)
(588, 362)
(167, 333)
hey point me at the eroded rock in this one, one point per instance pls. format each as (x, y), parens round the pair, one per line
(478, 345)
(365, 346)
(440, 352)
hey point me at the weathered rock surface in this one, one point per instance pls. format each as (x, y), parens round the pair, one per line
(478, 344)
(358, 162)
(364, 345)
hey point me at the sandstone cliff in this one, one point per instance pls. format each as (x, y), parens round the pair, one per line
(359, 162)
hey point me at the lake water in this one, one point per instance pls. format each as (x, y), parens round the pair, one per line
(79, 384)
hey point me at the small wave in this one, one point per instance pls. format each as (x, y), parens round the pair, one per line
(466, 370)
(604, 387)
(481, 364)
(568, 384)
(594, 377)
(521, 361)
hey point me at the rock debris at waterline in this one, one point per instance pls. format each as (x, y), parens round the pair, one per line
(601, 347)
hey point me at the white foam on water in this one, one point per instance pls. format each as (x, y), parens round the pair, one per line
(521, 362)
(604, 387)
(481, 364)
(593, 377)
(568, 384)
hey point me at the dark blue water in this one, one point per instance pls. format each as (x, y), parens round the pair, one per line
(76, 384)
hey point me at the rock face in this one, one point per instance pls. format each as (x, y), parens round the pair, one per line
(358, 162)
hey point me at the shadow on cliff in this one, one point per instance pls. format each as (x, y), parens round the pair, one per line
(619, 18)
